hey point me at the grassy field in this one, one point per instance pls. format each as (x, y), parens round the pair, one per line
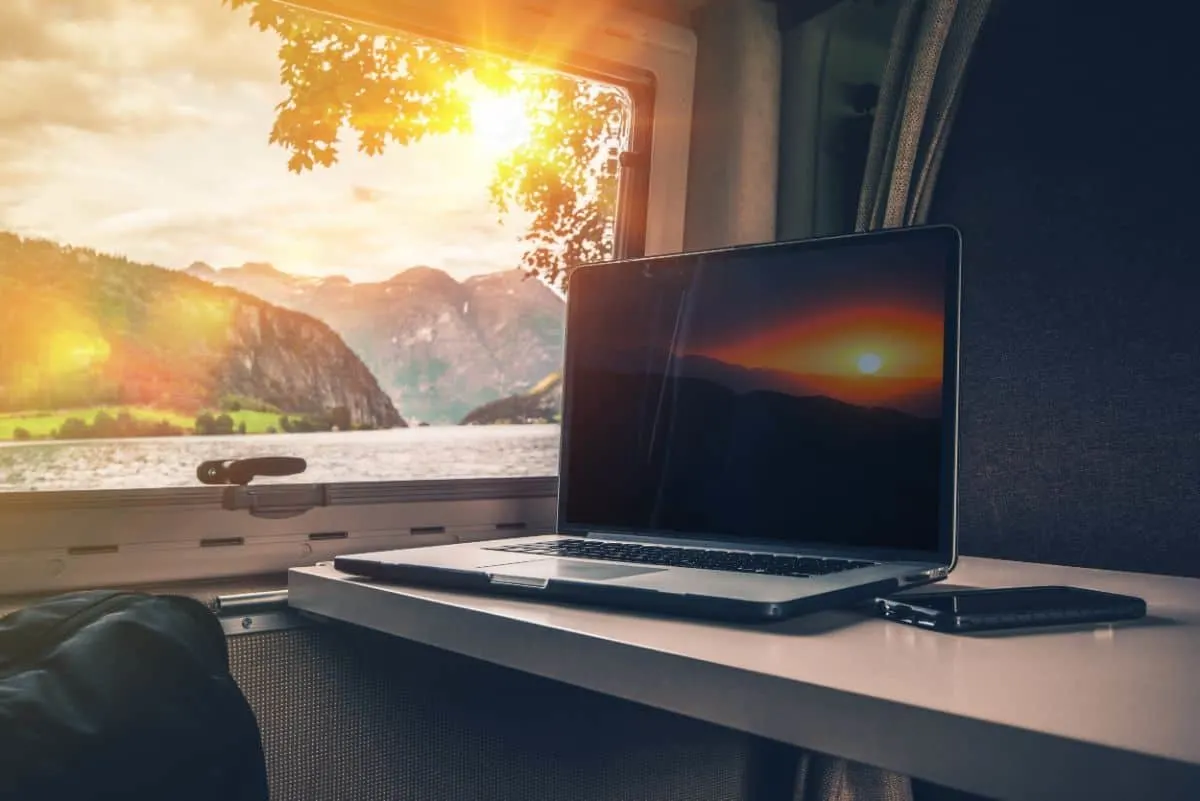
(41, 424)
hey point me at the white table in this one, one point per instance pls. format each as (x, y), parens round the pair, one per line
(1109, 712)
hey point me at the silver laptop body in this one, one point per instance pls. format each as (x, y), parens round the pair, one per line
(748, 433)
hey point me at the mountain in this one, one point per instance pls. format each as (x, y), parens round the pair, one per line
(921, 397)
(542, 404)
(439, 347)
(89, 329)
(694, 455)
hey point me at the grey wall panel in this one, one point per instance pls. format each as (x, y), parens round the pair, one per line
(734, 158)
(351, 714)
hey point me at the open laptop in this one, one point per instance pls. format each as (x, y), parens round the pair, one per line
(748, 433)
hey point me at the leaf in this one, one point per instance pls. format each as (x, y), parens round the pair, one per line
(398, 89)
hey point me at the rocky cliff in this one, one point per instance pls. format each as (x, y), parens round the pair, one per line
(439, 347)
(80, 328)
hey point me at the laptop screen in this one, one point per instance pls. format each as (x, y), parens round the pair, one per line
(801, 392)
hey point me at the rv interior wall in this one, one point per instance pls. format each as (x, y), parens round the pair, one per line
(831, 66)
(1079, 435)
(350, 713)
(733, 165)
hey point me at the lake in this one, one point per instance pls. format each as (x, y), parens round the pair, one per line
(401, 454)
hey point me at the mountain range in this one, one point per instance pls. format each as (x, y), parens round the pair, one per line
(542, 404)
(80, 329)
(920, 397)
(440, 348)
(693, 454)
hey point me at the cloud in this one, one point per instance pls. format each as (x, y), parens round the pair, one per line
(133, 69)
(119, 65)
(202, 38)
(23, 35)
(36, 96)
(141, 127)
(366, 194)
(290, 222)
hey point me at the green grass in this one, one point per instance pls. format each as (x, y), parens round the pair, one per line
(256, 422)
(41, 424)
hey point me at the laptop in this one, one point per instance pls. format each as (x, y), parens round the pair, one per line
(747, 434)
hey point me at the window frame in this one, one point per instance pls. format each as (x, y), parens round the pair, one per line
(57, 541)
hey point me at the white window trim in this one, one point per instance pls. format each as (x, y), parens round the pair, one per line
(67, 540)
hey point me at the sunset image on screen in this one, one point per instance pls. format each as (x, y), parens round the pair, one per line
(791, 391)
(866, 355)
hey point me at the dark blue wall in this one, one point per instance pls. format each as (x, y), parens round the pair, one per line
(1073, 171)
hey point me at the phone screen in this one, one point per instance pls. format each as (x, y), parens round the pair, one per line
(991, 602)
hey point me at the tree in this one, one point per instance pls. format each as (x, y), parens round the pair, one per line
(104, 426)
(397, 89)
(73, 428)
(126, 425)
(340, 419)
(164, 428)
(206, 425)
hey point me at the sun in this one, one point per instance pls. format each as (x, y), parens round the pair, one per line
(500, 122)
(869, 363)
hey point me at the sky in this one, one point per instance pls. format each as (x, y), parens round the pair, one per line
(140, 127)
(861, 324)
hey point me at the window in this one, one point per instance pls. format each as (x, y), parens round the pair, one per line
(379, 325)
(259, 230)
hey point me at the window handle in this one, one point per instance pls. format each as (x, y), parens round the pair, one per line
(242, 471)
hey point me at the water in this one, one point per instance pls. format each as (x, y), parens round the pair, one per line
(401, 454)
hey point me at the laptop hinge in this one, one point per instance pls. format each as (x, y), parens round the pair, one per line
(925, 576)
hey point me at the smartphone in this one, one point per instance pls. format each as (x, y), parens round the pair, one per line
(1008, 608)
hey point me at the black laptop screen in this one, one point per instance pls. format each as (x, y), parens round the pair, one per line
(801, 392)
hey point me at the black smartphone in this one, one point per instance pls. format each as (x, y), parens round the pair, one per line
(1008, 608)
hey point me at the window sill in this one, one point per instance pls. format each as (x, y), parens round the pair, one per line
(55, 544)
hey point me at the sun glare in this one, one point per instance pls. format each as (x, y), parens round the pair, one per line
(869, 363)
(499, 122)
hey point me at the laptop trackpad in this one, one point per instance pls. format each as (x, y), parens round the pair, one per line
(572, 569)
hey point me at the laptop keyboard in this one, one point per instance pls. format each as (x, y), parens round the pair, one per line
(702, 558)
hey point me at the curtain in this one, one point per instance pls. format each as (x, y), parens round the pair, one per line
(918, 95)
(826, 778)
(922, 82)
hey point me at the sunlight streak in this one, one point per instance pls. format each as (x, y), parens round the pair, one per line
(501, 122)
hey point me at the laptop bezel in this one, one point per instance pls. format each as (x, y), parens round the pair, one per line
(946, 554)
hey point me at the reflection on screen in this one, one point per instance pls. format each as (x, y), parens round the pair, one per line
(785, 393)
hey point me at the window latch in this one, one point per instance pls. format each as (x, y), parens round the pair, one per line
(275, 502)
(242, 471)
(633, 160)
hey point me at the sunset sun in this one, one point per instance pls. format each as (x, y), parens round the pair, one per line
(869, 363)
(499, 122)
(862, 354)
